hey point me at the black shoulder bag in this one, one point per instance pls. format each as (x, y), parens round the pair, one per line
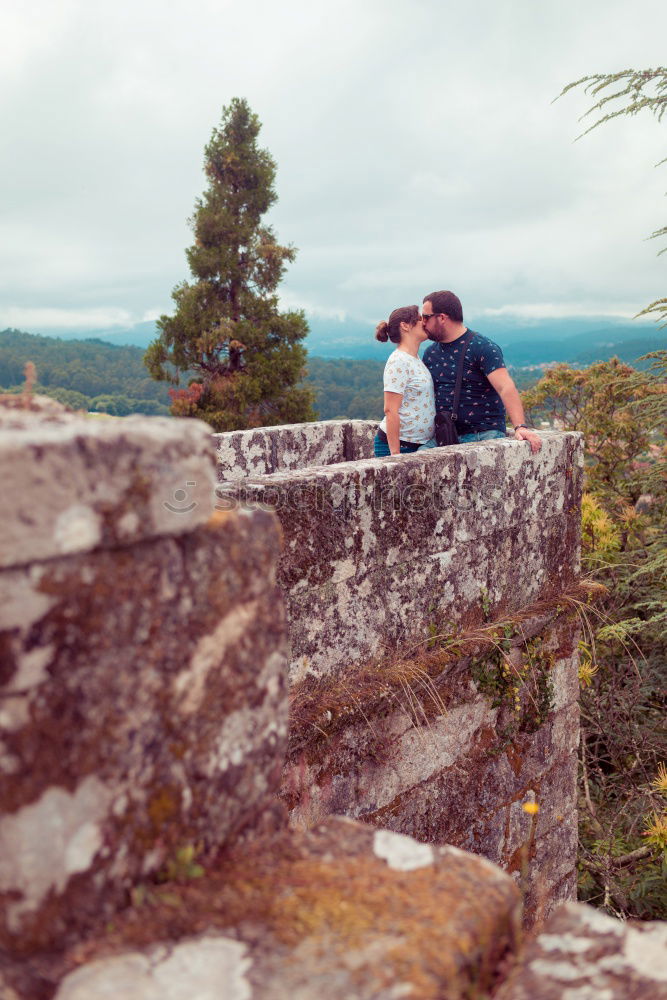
(445, 421)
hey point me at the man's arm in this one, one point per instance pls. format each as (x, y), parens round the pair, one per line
(502, 382)
(392, 403)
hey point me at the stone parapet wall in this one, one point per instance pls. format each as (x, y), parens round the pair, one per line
(384, 558)
(265, 450)
(143, 721)
(445, 763)
(142, 665)
(376, 549)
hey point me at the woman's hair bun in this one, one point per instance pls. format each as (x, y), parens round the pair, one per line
(382, 331)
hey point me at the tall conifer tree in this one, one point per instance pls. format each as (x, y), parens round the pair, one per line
(244, 357)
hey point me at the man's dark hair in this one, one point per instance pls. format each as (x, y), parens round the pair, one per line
(447, 303)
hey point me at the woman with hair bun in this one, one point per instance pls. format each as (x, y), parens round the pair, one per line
(409, 401)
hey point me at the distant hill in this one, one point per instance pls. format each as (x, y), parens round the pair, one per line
(84, 374)
(346, 390)
(579, 340)
(627, 343)
(96, 375)
(137, 335)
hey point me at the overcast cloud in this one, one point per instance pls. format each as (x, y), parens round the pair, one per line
(416, 142)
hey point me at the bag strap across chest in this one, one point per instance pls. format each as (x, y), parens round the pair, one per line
(465, 343)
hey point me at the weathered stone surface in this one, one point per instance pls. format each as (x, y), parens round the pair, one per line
(452, 774)
(142, 662)
(142, 704)
(71, 484)
(8, 990)
(288, 447)
(582, 954)
(209, 968)
(244, 453)
(360, 437)
(374, 549)
(142, 707)
(565, 676)
(341, 912)
(556, 851)
(379, 553)
(352, 616)
(291, 447)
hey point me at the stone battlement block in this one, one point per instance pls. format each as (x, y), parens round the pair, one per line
(142, 666)
(72, 483)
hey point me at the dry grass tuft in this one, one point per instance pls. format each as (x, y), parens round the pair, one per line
(423, 678)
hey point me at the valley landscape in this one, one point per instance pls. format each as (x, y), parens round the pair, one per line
(104, 370)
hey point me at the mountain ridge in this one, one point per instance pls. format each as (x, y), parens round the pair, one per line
(575, 340)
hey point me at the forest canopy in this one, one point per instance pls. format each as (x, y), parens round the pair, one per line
(83, 374)
(95, 375)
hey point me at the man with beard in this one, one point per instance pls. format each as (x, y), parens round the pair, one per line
(487, 390)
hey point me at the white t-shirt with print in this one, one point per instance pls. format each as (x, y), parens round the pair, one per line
(411, 378)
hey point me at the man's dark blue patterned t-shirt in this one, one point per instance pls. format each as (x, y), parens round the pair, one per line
(480, 406)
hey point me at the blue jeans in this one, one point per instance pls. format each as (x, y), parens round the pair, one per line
(465, 438)
(381, 448)
(481, 436)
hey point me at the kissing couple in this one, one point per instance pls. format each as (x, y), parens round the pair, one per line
(462, 382)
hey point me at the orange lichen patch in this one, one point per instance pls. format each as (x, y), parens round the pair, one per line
(219, 518)
(163, 806)
(486, 738)
(517, 859)
(442, 928)
(514, 757)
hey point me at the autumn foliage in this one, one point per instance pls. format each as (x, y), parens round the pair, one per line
(622, 413)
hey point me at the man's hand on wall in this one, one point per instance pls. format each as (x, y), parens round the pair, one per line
(502, 382)
(525, 434)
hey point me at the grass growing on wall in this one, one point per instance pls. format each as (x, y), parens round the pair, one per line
(424, 679)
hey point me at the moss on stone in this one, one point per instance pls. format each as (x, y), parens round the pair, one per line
(517, 679)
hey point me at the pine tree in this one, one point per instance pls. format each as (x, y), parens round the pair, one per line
(243, 357)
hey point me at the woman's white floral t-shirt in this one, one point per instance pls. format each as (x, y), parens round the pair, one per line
(411, 378)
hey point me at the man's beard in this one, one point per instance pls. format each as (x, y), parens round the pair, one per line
(435, 336)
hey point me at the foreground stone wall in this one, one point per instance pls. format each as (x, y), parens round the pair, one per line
(143, 709)
(121, 735)
(342, 912)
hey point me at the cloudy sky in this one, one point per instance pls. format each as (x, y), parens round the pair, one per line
(416, 142)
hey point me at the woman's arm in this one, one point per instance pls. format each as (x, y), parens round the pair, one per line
(392, 402)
